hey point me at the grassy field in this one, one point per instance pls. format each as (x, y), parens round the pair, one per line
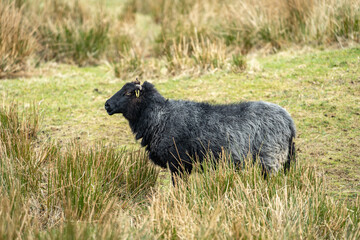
(319, 88)
(70, 171)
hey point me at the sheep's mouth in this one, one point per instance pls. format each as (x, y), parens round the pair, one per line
(111, 112)
(109, 109)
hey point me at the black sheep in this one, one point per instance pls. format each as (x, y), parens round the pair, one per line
(177, 132)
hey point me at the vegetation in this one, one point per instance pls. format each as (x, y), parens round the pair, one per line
(44, 184)
(17, 43)
(69, 171)
(162, 37)
(70, 32)
(86, 189)
(76, 193)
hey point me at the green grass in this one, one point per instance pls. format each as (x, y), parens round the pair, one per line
(319, 88)
(44, 184)
(70, 171)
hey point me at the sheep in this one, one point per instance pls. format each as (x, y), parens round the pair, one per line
(176, 133)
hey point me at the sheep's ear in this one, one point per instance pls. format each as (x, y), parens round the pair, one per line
(147, 87)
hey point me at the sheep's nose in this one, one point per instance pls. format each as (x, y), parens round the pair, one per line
(107, 106)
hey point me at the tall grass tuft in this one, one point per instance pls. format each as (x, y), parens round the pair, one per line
(71, 31)
(173, 33)
(129, 67)
(88, 181)
(17, 43)
(226, 203)
(19, 166)
(194, 43)
(250, 25)
(20, 169)
(45, 184)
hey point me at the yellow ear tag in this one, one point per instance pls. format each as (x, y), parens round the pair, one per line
(137, 93)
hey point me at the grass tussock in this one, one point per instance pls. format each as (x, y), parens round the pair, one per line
(207, 41)
(17, 134)
(248, 24)
(71, 32)
(17, 43)
(171, 33)
(224, 203)
(44, 184)
(78, 192)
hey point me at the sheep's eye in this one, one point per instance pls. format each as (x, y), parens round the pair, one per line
(128, 93)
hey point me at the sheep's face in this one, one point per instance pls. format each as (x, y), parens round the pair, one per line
(124, 101)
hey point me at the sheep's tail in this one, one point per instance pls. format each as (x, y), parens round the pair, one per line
(291, 160)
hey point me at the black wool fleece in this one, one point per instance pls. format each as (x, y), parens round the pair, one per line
(176, 133)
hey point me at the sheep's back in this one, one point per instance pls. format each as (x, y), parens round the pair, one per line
(243, 128)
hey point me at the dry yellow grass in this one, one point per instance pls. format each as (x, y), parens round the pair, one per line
(182, 36)
(198, 36)
(17, 43)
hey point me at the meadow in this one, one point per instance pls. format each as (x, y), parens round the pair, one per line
(70, 171)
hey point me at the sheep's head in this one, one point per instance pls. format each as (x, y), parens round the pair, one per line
(126, 100)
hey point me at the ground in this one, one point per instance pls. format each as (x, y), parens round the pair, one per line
(320, 89)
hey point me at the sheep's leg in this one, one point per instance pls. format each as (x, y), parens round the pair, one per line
(264, 173)
(180, 170)
(291, 159)
(180, 163)
(174, 178)
(176, 174)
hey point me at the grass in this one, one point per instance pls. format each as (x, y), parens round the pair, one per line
(17, 44)
(96, 186)
(319, 88)
(44, 184)
(162, 38)
(70, 171)
(70, 31)
(99, 192)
